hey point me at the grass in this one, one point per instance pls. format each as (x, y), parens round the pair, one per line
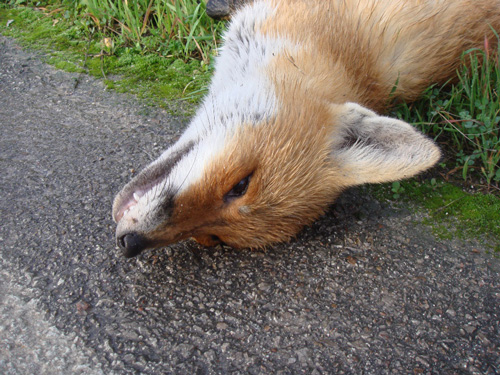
(452, 212)
(163, 50)
(465, 117)
(169, 58)
(176, 28)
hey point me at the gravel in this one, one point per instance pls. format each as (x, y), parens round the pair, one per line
(366, 289)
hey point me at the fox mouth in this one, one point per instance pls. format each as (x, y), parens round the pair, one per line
(128, 204)
(126, 201)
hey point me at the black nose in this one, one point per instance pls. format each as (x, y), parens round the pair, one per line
(132, 244)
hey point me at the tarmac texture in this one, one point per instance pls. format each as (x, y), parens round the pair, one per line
(366, 289)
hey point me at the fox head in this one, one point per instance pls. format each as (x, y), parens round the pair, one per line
(261, 182)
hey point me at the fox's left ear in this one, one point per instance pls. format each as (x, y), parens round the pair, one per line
(369, 148)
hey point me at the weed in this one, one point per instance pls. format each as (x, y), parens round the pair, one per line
(174, 28)
(397, 189)
(76, 44)
(466, 116)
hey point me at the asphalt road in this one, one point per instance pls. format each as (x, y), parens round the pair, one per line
(364, 290)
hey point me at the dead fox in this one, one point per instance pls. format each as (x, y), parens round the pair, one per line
(290, 120)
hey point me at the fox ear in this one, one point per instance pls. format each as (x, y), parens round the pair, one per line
(369, 148)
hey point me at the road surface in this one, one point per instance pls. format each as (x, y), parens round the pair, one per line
(366, 289)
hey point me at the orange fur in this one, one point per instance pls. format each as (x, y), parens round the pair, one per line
(358, 51)
(363, 70)
(335, 52)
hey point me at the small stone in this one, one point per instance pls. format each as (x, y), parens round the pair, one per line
(222, 9)
(264, 287)
(82, 307)
(423, 361)
(303, 355)
(210, 355)
(185, 350)
(221, 325)
(351, 260)
(218, 9)
(484, 340)
(469, 329)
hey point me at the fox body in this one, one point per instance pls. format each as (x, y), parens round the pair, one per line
(290, 120)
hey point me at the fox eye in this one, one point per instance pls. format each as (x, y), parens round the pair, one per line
(238, 190)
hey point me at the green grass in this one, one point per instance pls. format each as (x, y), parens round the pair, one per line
(177, 28)
(465, 118)
(452, 212)
(148, 62)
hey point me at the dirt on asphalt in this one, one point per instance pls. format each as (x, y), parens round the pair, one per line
(366, 289)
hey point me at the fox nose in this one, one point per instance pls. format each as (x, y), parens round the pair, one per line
(132, 244)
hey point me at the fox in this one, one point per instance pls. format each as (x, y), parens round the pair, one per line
(294, 115)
